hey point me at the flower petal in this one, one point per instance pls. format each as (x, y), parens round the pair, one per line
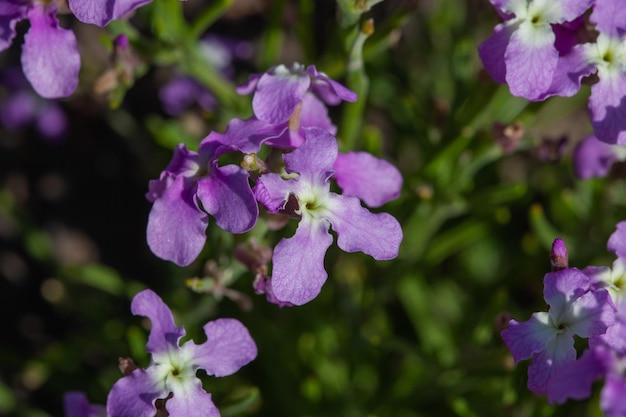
(248, 135)
(315, 114)
(176, 226)
(376, 234)
(591, 314)
(329, 90)
(558, 354)
(492, 50)
(531, 60)
(613, 396)
(560, 288)
(50, 57)
(164, 334)
(75, 404)
(593, 158)
(528, 337)
(101, 12)
(272, 191)
(607, 104)
(570, 70)
(574, 381)
(278, 93)
(617, 240)
(228, 347)
(191, 400)
(373, 180)
(134, 395)
(609, 17)
(298, 263)
(12, 12)
(315, 158)
(227, 196)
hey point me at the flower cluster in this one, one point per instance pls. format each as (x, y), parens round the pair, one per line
(536, 52)
(290, 116)
(588, 303)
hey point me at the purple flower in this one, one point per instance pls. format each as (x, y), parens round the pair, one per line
(191, 186)
(101, 12)
(298, 262)
(171, 375)
(548, 337)
(50, 58)
(593, 158)
(278, 91)
(522, 51)
(76, 405)
(22, 107)
(180, 93)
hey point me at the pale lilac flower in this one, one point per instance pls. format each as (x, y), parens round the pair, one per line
(280, 90)
(101, 12)
(522, 51)
(298, 262)
(593, 158)
(172, 371)
(75, 404)
(50, 58)
(192, 186)
(548, 337)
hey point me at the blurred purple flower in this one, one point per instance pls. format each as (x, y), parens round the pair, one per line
(180, 93)
(171, 375)
(298, 262)
(75, 404)
(50, 58)
(593, 158)
(22, 107)
(191, 186)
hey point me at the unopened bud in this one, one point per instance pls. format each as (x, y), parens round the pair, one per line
(558, 255)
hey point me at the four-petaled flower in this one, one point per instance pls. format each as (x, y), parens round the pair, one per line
(298, 262)
(548, 337)
(171, 375)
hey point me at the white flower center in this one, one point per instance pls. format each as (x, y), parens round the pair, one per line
(174, 369)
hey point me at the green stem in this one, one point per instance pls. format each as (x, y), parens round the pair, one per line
(358, 82)
(208, 16)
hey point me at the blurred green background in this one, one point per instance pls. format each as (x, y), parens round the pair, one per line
(415, 336)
